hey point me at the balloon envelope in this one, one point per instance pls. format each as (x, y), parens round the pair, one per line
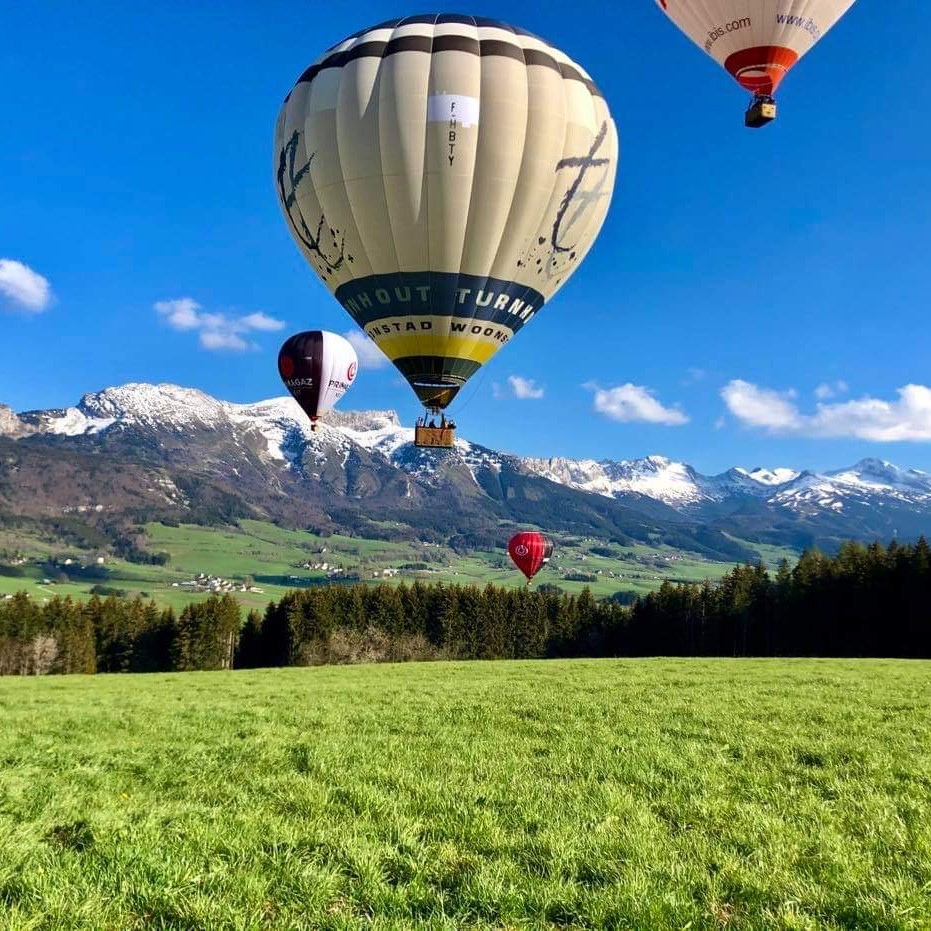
(318, 368)
(756, 41)
(444, 175)
(529, 550)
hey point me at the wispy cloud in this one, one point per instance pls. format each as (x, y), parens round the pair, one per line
(23, 287)
(635, 404)
(216, 331)
(224, 339)
(525, 389)
(828, 390)
(370, 356)
(694, 375)
(906, 419)
(260, 321)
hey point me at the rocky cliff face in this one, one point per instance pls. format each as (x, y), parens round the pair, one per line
(10, 424)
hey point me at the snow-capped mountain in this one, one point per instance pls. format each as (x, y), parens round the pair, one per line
(164, 446)
(870, 480)
(284, 428)
(683, 488)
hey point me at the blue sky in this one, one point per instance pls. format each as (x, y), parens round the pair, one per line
(738, 272)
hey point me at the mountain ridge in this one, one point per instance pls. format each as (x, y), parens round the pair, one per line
(261, 458)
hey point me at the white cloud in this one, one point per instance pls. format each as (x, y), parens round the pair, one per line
(181, 314)
(830, 389)
(635, 404)
(220, 339)
(693, 375)
(216, 331)
(906, 419)
(260, 321)
(370, 356)
(760, 407)
(525, 389)
(24, 287)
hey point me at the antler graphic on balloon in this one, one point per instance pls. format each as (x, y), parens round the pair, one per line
(288, 182)
(583, 163)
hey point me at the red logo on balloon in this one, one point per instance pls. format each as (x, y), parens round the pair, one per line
(529, 549)
(286, 366)
(351, 371)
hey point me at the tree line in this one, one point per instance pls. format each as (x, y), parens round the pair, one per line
(865, 601)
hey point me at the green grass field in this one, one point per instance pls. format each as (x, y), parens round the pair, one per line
(591, 794)
(270, 555)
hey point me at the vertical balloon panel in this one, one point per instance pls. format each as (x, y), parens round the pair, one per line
(402, 114)
(501, 141)
(345, 246)
(543, 143)
(453, 121)
(358, 142)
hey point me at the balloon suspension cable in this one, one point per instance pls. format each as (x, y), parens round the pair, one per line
(478, 385)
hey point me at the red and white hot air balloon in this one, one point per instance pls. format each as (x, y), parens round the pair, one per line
(756, 41)
(530, 550)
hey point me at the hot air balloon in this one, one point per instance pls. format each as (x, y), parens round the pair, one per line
(444, 175)
(529, 550)
(318, 368)
(757, 41)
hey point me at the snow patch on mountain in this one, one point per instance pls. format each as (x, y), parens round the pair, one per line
(280, 421)
(74, 422)
(69, 421)
(386, 438)
(769, 477)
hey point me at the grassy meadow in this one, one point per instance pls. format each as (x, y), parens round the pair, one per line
(648, 794)
(272, 556)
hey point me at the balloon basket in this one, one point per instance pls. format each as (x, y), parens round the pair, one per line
(761, 111)
(435, 437)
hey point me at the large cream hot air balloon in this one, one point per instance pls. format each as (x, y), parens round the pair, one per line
(756, 41)
(444, 175)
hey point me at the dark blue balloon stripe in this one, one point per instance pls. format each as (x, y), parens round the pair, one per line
(440, 294)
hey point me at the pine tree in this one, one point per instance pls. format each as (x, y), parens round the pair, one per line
(249, 647)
